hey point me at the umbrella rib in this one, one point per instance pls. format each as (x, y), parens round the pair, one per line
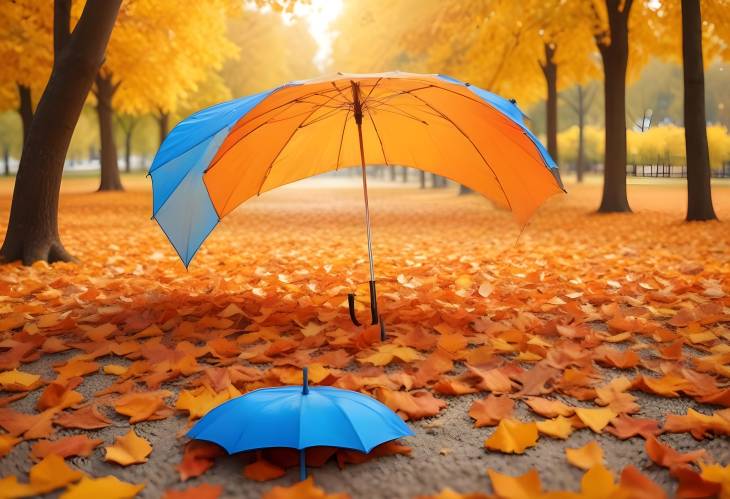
(504, 193)
(288, 140)
(332, 401)
(342, 139)
(380, 140)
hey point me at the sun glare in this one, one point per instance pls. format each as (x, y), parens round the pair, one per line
(319, 14)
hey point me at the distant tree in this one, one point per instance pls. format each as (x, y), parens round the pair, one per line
(580, 103)
(32, 232)
(26, 52)
(159, 53)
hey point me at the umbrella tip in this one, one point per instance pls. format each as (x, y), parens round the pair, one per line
(305, 381)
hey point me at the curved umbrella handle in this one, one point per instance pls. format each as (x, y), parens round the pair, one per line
(374, 317)
(351, 306)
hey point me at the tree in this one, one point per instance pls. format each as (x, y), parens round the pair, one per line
(26, 55)
(159, 53)
(699, 192)
(32, 232)
(584, 95)
(705, 28)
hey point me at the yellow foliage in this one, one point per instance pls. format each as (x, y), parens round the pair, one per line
(593, 144)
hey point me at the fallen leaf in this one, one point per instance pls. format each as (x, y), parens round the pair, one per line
(108, 487)
(512, 436)
(595, 419)
(302, 490)
(586, 457)
(262, 471)
(128, 449)
(525, 486)
(202, 491)
(74, 445)
(491, 410)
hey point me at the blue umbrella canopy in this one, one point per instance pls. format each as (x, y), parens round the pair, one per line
(298, 417)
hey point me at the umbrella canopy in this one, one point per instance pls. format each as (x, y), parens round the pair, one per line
(298, 417)
(219, 157)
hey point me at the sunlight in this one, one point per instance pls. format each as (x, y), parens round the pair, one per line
(319, 15)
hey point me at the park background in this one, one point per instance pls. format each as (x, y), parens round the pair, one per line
(584, 354)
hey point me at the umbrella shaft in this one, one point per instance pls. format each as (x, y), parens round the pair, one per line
(367, 207)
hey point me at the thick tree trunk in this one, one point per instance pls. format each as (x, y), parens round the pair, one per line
(163, 120)
(32, 232)
(550, 70)
(110, 180)
(699, 192)
(615, 58)
(580, 161)
(422, 178)
(25, 109)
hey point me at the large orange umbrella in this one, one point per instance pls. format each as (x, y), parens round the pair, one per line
(435, 123)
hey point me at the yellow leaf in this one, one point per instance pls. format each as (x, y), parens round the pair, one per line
(302, 490)
(202, 399)
(20, 379)
(595, 419)
(525, 486)
(7, 442)
(597, 483)
(108, 487)
(52, 473)
(559, 427)
(512, 436)
(586, 457)
(128, 449)
(387, 353)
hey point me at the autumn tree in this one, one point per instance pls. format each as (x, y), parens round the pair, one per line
(159, 53)
(705, 28)
(26, 52)
(32, 232)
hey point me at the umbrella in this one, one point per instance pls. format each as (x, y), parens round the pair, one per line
(298, 417)
(219, 157)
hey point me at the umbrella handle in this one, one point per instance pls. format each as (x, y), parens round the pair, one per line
(374, 317)
(302, 465)
(351, 306)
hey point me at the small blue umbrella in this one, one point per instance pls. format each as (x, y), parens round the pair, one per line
(298, 417)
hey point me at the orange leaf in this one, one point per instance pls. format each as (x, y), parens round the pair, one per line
(302, 490)
(585, 457)
(663, 455)
(74, 445)
(202, 491)
(595, 419)
(86, 418)
(262, 471)
(491, 410)
(525, 486)
(512, 436)
(639, 486)
(198, 458)
(128, 449)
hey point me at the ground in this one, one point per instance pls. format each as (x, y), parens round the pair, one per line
(557, 310)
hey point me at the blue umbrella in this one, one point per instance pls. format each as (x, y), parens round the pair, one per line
(298, 417)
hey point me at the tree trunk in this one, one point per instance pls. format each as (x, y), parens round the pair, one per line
(422, 178)
(128, 149)
(615, 57)
(404, 175)
(32, 232)
(580, 161)
(391, 168)
(699, 192)
(25, 109)
(6, 159)
(163, 120)
(550, 70)
(110, 180)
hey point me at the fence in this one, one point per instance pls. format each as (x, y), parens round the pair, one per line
(671, 167)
